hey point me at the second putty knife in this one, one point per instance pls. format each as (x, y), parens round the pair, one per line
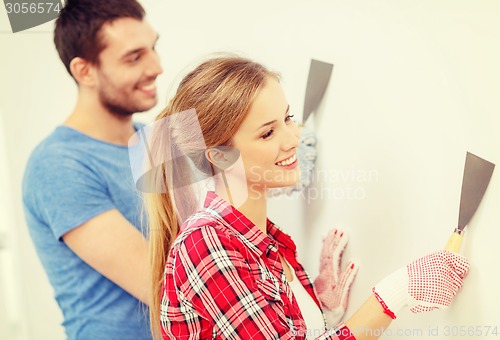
(477, 175)
(317, 81)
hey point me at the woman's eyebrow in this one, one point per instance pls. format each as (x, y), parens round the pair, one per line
(274, 121)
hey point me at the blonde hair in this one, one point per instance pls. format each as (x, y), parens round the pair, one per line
(221, 90)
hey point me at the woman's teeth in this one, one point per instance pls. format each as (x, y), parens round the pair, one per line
(287, 161)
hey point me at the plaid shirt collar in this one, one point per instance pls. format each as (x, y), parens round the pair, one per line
(251, 235)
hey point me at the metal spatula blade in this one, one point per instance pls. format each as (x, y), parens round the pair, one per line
(477, 175)
(317, 81)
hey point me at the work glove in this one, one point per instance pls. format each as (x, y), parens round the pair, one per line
(333, 284)
(306, 156)
(426, 284)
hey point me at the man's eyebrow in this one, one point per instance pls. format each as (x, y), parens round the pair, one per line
(138, 50)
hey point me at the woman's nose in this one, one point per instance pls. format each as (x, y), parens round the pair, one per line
(291, 138)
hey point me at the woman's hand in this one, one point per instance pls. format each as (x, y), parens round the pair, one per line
(426, 284)
(332, 283)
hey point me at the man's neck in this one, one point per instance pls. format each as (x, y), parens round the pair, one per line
(97, 122)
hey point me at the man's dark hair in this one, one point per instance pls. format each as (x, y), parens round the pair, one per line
(78, 28)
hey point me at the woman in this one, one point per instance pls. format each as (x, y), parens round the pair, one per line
(231, 273)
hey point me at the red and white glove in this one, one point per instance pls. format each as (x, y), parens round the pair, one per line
(333, 285)
(426, 284)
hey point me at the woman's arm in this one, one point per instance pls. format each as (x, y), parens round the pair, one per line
(369, 321)
(426, 284)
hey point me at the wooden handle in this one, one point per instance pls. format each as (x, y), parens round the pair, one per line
(454, 243)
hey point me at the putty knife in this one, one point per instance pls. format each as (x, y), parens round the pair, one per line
(477, 175)
(317, 81)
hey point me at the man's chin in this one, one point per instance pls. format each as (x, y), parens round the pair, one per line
(148, 105)
(145, 107)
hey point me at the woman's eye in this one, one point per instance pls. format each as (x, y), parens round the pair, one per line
(135, 58)
(288, 118)
(267, 134)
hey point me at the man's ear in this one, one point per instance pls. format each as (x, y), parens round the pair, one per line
(83, 71)
(222, 157)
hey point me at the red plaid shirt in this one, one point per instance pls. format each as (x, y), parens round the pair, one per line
(224, 280)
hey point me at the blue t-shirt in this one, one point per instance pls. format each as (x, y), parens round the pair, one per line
(71, 178)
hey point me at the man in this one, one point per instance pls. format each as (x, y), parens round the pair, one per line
(81, 205)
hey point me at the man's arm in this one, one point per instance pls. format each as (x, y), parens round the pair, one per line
(116, 249)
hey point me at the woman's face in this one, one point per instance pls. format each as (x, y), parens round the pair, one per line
(268, 139)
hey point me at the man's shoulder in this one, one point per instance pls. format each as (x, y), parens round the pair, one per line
(60, 143)
(65, 141)
(61, 153)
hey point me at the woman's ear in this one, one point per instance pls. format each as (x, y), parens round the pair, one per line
(215, 157)
(222, 157)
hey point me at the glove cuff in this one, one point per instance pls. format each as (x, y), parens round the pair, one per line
(333, 316)
(392, 292)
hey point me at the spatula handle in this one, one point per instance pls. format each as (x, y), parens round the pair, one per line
(455, 241)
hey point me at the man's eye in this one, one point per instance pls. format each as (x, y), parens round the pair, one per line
(267, 134)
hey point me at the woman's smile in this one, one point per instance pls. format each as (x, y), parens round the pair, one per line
(288, 163)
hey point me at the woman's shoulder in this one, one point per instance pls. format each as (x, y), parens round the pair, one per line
(202, 230)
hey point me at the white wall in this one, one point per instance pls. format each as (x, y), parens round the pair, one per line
(12, 324)
(415, 85)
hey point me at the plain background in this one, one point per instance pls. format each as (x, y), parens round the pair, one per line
(415, 86)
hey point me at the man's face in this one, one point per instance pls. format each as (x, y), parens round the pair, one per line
(128, 67)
